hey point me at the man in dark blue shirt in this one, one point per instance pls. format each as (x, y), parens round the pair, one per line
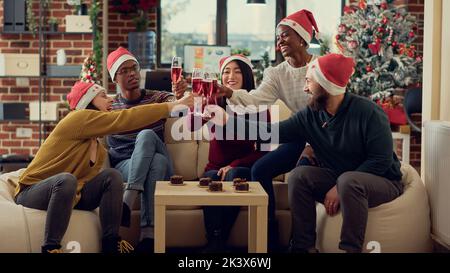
(352, 139)
(351, 136)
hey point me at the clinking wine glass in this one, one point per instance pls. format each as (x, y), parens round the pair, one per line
(176, 69)
(214, 87)
(197, 88)
(210, 89)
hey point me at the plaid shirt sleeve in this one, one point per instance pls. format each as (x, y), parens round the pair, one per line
(166, 97)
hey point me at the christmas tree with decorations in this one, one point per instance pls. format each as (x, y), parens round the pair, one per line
(379, 36)
(89, 71)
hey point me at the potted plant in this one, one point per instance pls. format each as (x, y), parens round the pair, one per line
(243, 51)
(142, 41)
(53, 24)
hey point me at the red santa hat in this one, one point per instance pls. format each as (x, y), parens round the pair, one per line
(116, 59)
(332, 72)
(226, 60)
(303, 23)
(82, 93)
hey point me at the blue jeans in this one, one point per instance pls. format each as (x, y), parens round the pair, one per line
(149, 163)
(277, 162)
(220, 219)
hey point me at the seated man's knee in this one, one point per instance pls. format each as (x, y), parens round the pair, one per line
(160, 161)
(300, 176)
(347, 182)
(146, 135)
(160, 165)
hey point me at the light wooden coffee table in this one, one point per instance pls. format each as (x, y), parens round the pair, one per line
(192, 195)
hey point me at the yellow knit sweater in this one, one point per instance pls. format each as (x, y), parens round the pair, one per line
(67, 147)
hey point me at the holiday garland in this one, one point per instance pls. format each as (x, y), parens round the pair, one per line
(98, 39)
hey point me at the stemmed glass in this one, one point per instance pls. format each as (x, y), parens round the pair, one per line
(209, 89)
(176, 69)
(197, 87)
(214, 87)
(207, 83)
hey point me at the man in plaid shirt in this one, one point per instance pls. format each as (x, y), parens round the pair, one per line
(141, 155)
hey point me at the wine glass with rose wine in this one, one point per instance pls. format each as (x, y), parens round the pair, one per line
(176, 69)
(197, 88)
(210, 89)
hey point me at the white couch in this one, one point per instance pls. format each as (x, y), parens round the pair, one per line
(402, 225)
(22, 229)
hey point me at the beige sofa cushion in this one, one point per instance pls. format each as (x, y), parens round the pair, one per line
(6, 192)
(8, 183)
(22, 229)
(174, 136)
(183, 148)
(84, 228)
(184, 159)
(14, 235)
(203, 152)
(281, 195)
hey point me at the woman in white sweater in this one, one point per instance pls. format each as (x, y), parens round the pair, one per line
(284, 82)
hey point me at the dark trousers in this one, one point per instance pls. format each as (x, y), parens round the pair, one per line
(279, 161)
(56, 195)
(219, 220)
(357, 192)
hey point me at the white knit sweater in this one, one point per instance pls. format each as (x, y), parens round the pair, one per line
(282, 82)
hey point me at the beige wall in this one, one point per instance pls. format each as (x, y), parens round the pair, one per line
(445, 65)
(436, 69)
(436, 75)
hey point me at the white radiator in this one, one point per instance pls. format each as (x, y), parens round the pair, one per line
(437, 177)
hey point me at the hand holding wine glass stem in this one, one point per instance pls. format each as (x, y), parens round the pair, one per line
(186, 101)
(224, 91)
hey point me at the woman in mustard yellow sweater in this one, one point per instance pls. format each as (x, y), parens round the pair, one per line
(66, 172)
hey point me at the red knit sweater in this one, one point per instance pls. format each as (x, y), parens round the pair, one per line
(236, 153)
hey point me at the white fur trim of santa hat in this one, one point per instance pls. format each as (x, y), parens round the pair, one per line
(225, 61)
(302, 22)
(89, 96)
(332, 72)
(116, 59)
(298, 28)
(119, 62)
